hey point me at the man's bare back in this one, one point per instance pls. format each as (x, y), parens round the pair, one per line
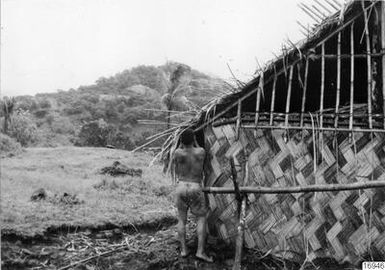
(189, 164)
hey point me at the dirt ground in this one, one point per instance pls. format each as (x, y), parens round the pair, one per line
(132, 248)
(152, 247)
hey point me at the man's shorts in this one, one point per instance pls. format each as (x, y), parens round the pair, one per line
(190, 195)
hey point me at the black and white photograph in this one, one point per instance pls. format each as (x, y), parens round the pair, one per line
(192, 134)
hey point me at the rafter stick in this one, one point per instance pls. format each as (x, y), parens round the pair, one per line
(309, 14)
(312, 11)
(272, 106)
(288, 97)
(343, 26)
(323, 6)
(238, 124)
(258, 102)
(351, 116)
(337, 3)
(303, 26)
(383, 57)
(304, 92)
(369, 66)
(299, 189)
(338, 80)
(332, 5)
(321, 106)
(319, 11)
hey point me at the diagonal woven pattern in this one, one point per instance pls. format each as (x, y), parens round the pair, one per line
(345, 225)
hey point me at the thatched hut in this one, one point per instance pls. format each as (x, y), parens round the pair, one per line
(313, 116)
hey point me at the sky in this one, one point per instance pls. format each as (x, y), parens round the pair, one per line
(48, 45)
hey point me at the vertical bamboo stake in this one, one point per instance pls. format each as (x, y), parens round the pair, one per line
(240, 235)
(304, 92)
(322, 87)
(351, 116)
(238, 124)
(258, 102)
(383, 56)
(369, 66)
(338, 80)
(273, 100)
(288, 97)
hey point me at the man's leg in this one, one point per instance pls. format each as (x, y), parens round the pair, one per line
(201, 231)
(181, 226)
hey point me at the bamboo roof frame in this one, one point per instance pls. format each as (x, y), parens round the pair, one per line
(283, 70)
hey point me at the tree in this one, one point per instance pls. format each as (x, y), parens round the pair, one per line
(176, 87)
(7, 106)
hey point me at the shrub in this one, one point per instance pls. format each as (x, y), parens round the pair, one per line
(62, 125)
(45, 104)
(23, 129)
(9, 146)
(41, 113)
(96, 133)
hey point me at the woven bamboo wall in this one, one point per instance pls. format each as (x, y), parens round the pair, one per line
(341, 225)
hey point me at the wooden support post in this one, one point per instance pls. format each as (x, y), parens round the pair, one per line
(383, 56)
(321, 106)
(338, 80)
(238, 124)
(241, 199)
(304, 92)
(369, 65)
(235, 183)
(272, 106)
(258, 102)
(351, 112)
(240, 235)
(288, 97)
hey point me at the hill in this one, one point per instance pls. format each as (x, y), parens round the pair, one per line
(115, 105)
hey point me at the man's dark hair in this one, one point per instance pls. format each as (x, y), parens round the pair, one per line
(187, 137)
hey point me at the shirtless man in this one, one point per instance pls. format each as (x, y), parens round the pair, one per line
(188, 161)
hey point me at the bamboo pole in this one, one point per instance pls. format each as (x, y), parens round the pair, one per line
(240, 236)
(369, 66)
(228, 108)
(272, 106)
(258, 102)
(338, 80)
(238, 124)
(383, 56)
(304, 92)
(316, 129)
(324, 7)
(299, 189)
(322, 87)
(346, 56)
(309, 14)
(147, 143)
(288, 97)
(333, 6)
(351, 112)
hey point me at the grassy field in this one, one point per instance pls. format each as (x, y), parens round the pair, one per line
(120, 201)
